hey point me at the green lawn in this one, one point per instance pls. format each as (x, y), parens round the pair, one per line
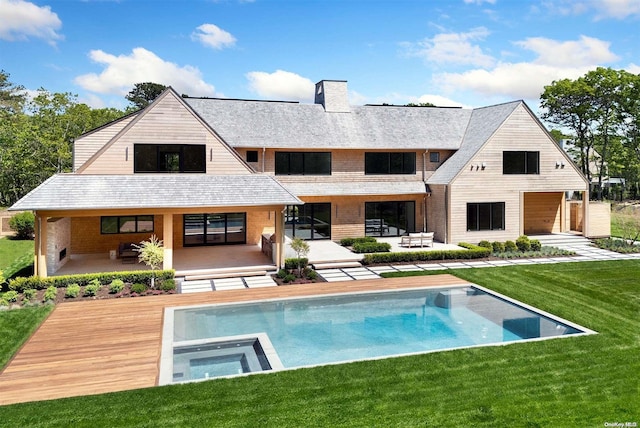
(15, 328)
(570, 382)
(15, 255)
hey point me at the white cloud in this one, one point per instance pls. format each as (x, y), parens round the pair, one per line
(633, 68)
(281, 85)
(618, 9)
(21, 20)
(555, 60)
(583, 52)
(437, 100)
(213, 36)
(123, 71)
(453, 48)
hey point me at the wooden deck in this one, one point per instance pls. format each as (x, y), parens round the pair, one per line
(104, 346)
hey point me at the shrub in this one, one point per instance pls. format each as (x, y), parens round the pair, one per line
(471, 252)
(294, 262)
(617, 245)
(535, 245)
(143, 276)
(510, 246)
(116, 286)
(92, 289)
(9, 297)
(348, 242)
(311, 274)
(29, 294)
(168, 285)
(138, 288)
(23, 224)
(371, 247)
(289, 278)
(72, 291)
(485, 244)
(523, 243)
(498, 247)
(51, 293)
(282, 273)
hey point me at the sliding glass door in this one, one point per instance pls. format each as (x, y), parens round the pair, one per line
(389, 218)
(214, 229)
(308, 221)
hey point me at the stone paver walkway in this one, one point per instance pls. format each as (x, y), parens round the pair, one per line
(584, 252)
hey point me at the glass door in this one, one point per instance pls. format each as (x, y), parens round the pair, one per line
(214, 229)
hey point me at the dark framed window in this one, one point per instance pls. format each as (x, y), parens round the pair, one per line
(177, 158)
(308, 221)
(485, 216)
(303, 163)
(389, 163)
(126, 224)
(214, 229)
(520, 162)
(252, 156)
(434, 157)
(393, 218)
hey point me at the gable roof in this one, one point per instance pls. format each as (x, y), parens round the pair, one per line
(254, 124)
(484, 122)
(85, 191)
(142, 113)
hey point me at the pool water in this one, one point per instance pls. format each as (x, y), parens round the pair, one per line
(340, 328)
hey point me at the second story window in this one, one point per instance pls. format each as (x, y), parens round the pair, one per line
(303, 163)
(521, 162)
(389, 163)
(169, 158)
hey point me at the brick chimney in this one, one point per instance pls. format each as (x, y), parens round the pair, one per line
(332, 94)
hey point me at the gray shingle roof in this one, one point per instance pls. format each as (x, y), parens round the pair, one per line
(484, 122)
(79, 191)
(243, 123)
(357, 188)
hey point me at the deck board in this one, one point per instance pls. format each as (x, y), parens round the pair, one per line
(94, 347)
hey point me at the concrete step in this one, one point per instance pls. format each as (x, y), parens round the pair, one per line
(336, 265)
(564, 240)
(193, 272)
(220, 275)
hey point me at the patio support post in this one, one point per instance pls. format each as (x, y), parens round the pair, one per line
(279, 238)
(167, 236)
(585, 213)
(40, 267)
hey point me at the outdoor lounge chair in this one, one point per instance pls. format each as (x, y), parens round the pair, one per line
(422, 239)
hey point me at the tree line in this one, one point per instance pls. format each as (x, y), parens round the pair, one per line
(600, 113)
(37, 134)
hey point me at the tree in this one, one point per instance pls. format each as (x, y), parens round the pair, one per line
(12, 96)
(151, 253)
(23, 224)
(143, 94)
(301, 248)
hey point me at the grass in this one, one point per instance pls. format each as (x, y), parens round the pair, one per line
(15, 328)
(15, 255)
(578, 381)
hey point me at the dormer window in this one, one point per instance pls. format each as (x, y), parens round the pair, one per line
(169, 158)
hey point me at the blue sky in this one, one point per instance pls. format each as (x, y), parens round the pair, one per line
(449, 52)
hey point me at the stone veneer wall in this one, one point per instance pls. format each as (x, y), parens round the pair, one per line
(58, 240)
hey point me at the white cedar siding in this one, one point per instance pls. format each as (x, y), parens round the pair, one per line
(520, 132)
(88, 145)
(167, 122)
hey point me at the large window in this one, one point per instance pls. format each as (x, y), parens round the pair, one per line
(521, 162)
(303, 163)
(214, 229)
(485, 216)
(389, 163)
(389, 218)
(126, 224)
(308, 221)
(169, 158)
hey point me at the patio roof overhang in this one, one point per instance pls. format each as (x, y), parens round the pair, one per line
(79, 192)
(358, 188)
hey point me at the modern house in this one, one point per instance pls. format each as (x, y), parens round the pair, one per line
(203, 171)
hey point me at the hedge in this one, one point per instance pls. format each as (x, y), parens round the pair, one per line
(371, 247)
(472, 252)
(349, 242)
(33, 282)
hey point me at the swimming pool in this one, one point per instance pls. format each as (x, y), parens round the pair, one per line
(210, 341)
